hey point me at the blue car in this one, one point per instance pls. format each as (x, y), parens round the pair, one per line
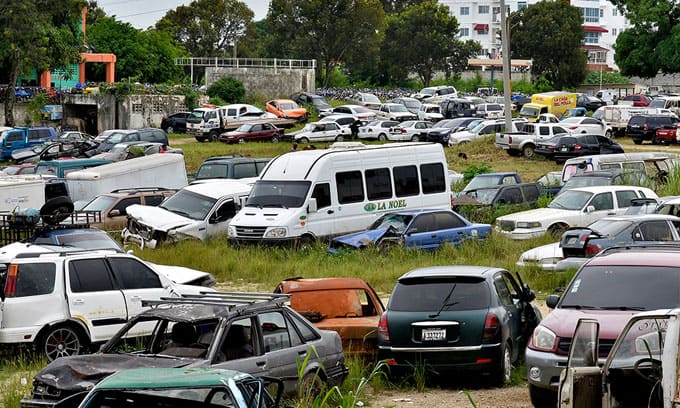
(422, 229)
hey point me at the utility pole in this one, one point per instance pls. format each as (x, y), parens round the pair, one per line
(505, 44)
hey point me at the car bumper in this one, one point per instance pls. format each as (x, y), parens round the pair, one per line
(37, 403)
(129, 237)
(523, 233)
(474, 358)
(544, 369)
(336, 375)
(18, 335)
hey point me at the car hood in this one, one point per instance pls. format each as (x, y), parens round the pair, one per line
(80, 373)
(158, 218)
(185, 276)
(295, 113)
(563, 322)
(540, 214)
(360, 239)
(21, 154)
(265, 217)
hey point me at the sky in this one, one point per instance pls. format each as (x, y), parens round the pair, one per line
(144, 13)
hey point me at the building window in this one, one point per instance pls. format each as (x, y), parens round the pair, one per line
(521, 5)
(614, 32)
(591, 38)
(590, 15)
(601, 13)
(615, 12)
(483, 31)
(464, 32)
(483, 10)
(496, 10)
(465, 11)
(597, 57)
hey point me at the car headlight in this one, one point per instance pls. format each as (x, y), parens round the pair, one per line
(543, 339)
(453, 140)
(231, 231)
(530, 224)
(279, 232)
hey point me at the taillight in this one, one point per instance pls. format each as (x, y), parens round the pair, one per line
(645, 127)
(573, 127)
(403, 130)
(383, 330)
(510, 139)
(11, 284)
(592, 249)
(577, 147)
(491, 326)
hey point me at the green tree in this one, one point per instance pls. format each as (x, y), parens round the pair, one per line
(328, 31)
(38, 34)
(228, 89)
(652, 44)
(423, 39)
(550, 34)
(147, 56)
(208, 28)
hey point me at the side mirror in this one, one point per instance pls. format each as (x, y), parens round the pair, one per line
(312, 207)
(114, 213)
(590, 209)
(551, 301)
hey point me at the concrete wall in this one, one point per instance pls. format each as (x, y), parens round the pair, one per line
(138, 111)
(266, 82)
(22, 117)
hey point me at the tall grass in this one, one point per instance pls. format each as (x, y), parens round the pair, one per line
(16, 376)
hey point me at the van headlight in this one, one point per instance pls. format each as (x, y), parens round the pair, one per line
(532, 224)
(543, 339)
(279, 232)
(231, 231)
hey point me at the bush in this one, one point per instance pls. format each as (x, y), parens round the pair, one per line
(228, 89)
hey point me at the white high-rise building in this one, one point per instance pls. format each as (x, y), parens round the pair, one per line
(480, 20)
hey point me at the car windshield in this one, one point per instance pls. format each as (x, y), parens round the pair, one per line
(371, 98)
(397, 221)
(411, 103)
(119, 148)
(472, 125)
(657, 103)
(609, 228)
(398, 108)
(288, 106)
(427, 91)
(407, 124)
(361, 109)
(197, 115)
(46, 169)
(618, 288)
(161, 396)
(484, 195)
(100, 203)
(576, 182)
(189, 204)
(244, 128)
(571, 200)
(429, 294)
(88, 240)
(285, 194)
(481, 182)
(115, 138)
(319, 101)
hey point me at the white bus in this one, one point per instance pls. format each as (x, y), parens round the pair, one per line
(315, 194)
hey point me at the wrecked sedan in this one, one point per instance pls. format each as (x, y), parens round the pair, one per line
(197, 211)
(348, 306)
(422, 229)
(248, 332)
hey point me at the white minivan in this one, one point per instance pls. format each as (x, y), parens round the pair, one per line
(306, 195)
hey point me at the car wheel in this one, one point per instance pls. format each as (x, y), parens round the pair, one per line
(637, 141)
(275, 139)
(56, 210)
(382, 137)
(61, 341)
(503, 370)
(557, 230)
(513, 152)
(241, 140)
(528, 151)
(415, 138)
(304, 242)
(385, 246)
(200, 139)
(541, 397)
(212, 136)
(303, 140)
(170, 129)
(311, 385)
(655, 140)
(339, 138)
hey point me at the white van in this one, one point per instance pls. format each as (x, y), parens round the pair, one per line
(671, 103)
(311, 194)
(651, 164)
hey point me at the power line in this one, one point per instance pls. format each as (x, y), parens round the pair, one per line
(145, 12)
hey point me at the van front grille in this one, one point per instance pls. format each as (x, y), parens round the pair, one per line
(250, 232)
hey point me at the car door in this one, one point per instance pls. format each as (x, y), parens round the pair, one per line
(240, 347)
(600, 205)
(218, 219)
(422, 232)
(508, 297)
(138, 282)
(582, 372)
(450, 228)
(255, 132)
(94, 297)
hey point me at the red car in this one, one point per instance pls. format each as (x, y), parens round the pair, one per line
(253, 132)
(638, 99)
(667, 135)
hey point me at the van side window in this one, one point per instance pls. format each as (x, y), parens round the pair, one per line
(350, 187)
(432, 178)
(34, 279)
(378, 184)
(89, 275)
(406, 181)
(322, 193)
(132, 274)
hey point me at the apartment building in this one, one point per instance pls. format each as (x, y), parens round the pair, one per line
(480, 20)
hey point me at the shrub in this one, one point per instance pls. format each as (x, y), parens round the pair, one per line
(228, 89)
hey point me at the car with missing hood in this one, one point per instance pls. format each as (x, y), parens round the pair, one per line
(196, 211)
(287, 108)
(422, 229)
(255, 333)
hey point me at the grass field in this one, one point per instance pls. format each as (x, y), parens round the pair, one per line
(261, 268)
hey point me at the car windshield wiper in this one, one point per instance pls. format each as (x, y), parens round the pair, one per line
(587, 307)
(637, 308)
(180, 212)
(446, 302)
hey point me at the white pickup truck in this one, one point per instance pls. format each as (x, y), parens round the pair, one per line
(524, 141)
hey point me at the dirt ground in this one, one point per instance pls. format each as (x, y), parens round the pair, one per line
(508, 397)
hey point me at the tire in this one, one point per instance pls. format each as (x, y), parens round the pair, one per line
(311, 385)
(382, 137)
(415, 138)
(56, 210)
(542, 398)
(304, 242)
(241, 140)
(212, 136)
(61, 341)
(502, 373)
(275, 139)
(200, 139)
(170, 129)
(528, 151)
(303, 140)
(655, 141)
(637, 141)
(557, 230)
(339, 138)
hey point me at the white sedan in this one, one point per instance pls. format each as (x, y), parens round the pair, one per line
(377, 129)
(585, 124)
(413, 130)
(322, 132)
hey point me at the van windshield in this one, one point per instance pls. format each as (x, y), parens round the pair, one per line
(284, 194)
(530, 112)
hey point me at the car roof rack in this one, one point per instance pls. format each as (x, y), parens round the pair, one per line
(140, 190)
(75, 251)
(233, 301)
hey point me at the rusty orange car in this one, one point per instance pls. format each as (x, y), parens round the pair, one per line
(287, 108)
(348, 306)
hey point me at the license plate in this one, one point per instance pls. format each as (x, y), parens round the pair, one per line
(565, 149)
(433, 334)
